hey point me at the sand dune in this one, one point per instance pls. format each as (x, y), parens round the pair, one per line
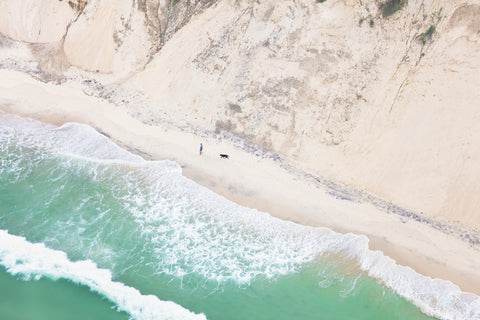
(302, 93)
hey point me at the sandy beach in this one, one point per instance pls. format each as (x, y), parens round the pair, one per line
(359, 117)
(251, 178)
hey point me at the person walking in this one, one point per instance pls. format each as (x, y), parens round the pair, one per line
(201, 149)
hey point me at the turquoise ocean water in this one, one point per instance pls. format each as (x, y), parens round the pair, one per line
(90, 231)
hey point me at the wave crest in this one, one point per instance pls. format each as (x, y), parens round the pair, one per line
(21, 257)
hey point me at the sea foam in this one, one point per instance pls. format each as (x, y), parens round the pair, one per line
(33, 261)
(233, 242)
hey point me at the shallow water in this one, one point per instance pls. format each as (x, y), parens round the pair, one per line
(77, 212)
(51, 300)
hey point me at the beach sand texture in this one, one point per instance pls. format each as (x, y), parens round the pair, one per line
(308, 99)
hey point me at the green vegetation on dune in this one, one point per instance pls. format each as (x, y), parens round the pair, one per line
(427, 35)
(391, 6)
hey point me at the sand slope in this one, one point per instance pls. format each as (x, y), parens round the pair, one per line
(368, 106)
(332, 91)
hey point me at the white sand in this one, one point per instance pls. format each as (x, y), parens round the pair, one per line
(35, 20)
(248, 179)
(366, 105)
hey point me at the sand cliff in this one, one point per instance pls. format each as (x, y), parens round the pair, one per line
(336, 89)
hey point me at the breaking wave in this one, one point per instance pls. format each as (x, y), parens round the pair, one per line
(191, 230)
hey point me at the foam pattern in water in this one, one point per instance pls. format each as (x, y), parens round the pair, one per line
(35, 260)
(191, 230)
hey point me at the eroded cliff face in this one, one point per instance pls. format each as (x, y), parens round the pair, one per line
(388, 103)
(35, 21)
(122, 36)
(287, 76)
(93, 35)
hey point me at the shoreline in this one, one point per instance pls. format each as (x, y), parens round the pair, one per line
(249, 180)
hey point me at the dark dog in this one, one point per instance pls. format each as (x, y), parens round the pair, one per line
(223, 156)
